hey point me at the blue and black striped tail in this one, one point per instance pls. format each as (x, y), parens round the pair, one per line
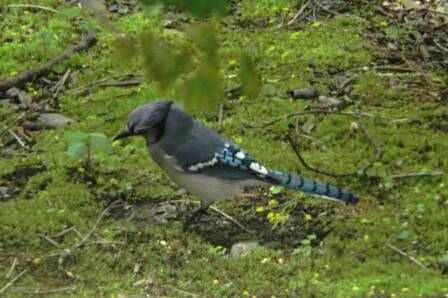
(299, 183)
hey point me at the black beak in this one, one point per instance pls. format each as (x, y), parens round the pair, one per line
(124, 134)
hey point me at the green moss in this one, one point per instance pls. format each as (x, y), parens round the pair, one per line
(351, 259)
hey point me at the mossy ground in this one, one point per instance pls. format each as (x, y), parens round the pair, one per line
(350, 258)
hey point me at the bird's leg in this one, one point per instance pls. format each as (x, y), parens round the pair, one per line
(196, 215)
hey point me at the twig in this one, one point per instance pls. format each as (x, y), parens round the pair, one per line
(377, 147)
(62, 233)
(13, 266)
(413, 175)
(221, 112)
(104, 83)
(440, 46)
(16, 137)
(296, 16)
(313, 112)
(49, 292)
(32, 6)
(326, 8)
(49, 240)
(188, 294)
(391, 68)
(13, 122)
(356, 116)
(42, 70)
(95, 226)
(231, 219)
(437, 11)
(57, 88)
(68, 251)
(2, 290)
(129, 83)
(25, 114)
(406, 255)
(7, 114)
(228, 217)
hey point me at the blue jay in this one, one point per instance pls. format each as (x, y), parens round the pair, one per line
(205, 164)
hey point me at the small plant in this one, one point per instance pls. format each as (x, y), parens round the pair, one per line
(296, 284)
(218, 251)
(305, 249)
(84, 145)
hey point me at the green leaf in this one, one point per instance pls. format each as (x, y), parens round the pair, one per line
(312, 237)
(205, 36)
(295, 284)
(425, 170)
(250, 81)
(199, 8)
(392, 32)
(306, 242)
(77, 150)
(217, 251)
(203, 89)
(75, 136)
(161, 62)
(268, 90)
(403, 235)
(277, 189)
(99, 143)
(123, 10)
(388, 182)
(421, 207)
(302, 251)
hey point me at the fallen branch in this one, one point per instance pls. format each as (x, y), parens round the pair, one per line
(44, 69)
(399, 251)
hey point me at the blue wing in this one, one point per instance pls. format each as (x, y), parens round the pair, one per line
(231, 163)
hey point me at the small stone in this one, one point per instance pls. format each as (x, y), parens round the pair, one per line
(19, 96)
(243, 247)
(303, 93)
(4, 193)
(260, 22)
(54, 120)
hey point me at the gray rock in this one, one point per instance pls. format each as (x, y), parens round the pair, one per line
(303, 93)
(4, 193)
(53, 120)
(243, 247)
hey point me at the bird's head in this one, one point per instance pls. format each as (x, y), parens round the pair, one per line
(148, 121)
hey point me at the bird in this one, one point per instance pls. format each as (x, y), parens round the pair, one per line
(207, 165)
